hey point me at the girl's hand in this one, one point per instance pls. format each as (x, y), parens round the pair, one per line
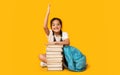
(46, 29)
(56, 43)
(53, 43)
(48, 10)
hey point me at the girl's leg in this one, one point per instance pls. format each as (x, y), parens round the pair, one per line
(42, 57)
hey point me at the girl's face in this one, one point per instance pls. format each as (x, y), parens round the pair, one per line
(56, 26)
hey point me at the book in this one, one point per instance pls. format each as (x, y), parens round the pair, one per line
(55, 69)
(54, 65)
(59, 46)
(54, 49)
(54, 59)
(54, 56)
(53, 52)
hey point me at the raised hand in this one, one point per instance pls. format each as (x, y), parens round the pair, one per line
(48, 10)
(46, 21)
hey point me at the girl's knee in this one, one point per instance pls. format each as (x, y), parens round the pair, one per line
(41, 56)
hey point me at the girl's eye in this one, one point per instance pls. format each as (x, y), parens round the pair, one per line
(58, 24)
(53, 24)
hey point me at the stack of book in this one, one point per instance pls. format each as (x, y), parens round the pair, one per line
(54, 57)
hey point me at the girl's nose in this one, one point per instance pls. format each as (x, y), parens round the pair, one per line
(56, 25)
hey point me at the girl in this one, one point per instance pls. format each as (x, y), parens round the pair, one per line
(56, 36)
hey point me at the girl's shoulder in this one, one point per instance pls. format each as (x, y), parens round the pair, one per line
(63, 33)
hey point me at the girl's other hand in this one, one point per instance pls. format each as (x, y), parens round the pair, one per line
(51, 43)
(48, 10)
(56, 43)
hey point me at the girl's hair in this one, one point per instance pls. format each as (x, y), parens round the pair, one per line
(60, 21)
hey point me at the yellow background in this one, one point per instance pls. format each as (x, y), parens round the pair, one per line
(86, 22)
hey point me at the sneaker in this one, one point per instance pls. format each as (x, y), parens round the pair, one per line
(42, 64)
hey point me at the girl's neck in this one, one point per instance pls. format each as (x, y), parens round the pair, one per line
(57, 34)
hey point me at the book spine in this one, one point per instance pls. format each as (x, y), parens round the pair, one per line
(54, 59)
(55, 46)
(54, 56)
(54, 53)
(54, 63)
(56, 66)
(55, 69)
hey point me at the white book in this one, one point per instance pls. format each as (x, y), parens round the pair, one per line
(54, 49)
(60, 46)
(54, 66)
(53, 52)
(57, 69)
(54, 56)
(53, 59)
(54, 63)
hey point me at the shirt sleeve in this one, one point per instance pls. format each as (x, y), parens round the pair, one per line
(50, 36)
(65, 35)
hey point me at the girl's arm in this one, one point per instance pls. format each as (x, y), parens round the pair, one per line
(65, 42)
(46, 21)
